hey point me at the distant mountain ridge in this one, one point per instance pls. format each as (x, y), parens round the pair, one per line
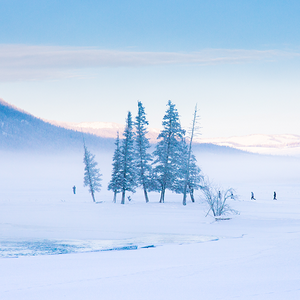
(259, 140)
(281, 144)
(276, 144)
(21, 130)
(102, 129)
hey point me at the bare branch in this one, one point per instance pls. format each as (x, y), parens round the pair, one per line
(216, 199)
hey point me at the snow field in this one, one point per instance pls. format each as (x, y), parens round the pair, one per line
(255, 255)
(247, 257)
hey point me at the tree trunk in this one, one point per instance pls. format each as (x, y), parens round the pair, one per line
(184, 195)
(192, 195)
(162, 195)
(123, 197)
(189, 158)
(93, 196)
(146, 195)
(115, 197)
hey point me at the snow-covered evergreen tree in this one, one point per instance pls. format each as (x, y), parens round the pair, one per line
(168, 152)
(143, 159)
(128, 171)
(116, 180)
(92, 176)
(179, 180)
(195, 178)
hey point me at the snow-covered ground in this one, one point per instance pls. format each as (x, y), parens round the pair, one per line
(56, 245)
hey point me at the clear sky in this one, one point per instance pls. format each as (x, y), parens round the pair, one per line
(71, 60)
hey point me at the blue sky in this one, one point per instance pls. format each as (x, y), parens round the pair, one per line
(93, 60)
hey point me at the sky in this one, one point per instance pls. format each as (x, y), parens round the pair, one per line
(87, 61)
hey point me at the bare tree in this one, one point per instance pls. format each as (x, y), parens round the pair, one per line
(190, 159)
(217, 199)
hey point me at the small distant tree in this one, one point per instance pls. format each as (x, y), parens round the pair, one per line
(168, 152)
(116, 179)
(143, 158)
(217, 199)
(92, 176)
(128, 170)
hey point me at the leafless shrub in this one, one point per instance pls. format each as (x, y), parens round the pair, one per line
(216, 199)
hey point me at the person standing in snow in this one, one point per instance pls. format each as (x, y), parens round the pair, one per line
(252, 196)
(274, 198)
(74, 189)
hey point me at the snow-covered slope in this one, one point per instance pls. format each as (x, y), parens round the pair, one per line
(279, 144)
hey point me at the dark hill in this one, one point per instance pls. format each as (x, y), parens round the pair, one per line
(20, 130)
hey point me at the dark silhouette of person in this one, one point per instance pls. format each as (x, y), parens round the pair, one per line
(252, 196)
(274, 198)
(74, 189)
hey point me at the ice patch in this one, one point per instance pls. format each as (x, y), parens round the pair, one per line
(49, 247)
(34, 248)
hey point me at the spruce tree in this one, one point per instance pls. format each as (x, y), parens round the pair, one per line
(143, 159)
(128, 172)
(92, 176)
(189, 175)
(116, 180)
(179, 180)
(195, 178)
(168, 152)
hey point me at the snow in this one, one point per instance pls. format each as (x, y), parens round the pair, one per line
(276, 144)
(57, 245)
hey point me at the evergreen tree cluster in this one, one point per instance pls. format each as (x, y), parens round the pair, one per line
(172, 166)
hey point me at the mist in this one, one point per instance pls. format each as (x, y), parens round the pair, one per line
(45, 176)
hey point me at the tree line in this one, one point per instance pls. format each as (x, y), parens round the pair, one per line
(172, 165)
